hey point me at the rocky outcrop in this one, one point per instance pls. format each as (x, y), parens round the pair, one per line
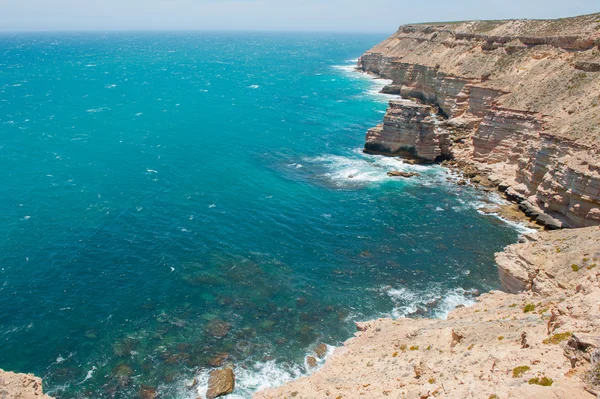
(540, 342)
(409, 129)
(220, 382)
(20, 386)
(518, 100)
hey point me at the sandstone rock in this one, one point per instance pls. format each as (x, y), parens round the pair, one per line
(522, 128)
(398, 173)
(549, 222)
(408, 129)
(311, 361)
(20, 386)
(321, 350)
(220, 382)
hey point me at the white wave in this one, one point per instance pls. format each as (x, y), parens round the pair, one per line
(377, 84)
(89, 374)
(253, 87)
(151, 171)
(96, 110)
(259, 376)
(409, 302)
(361, 168)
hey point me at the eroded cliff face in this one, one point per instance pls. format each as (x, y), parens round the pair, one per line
(20, 386)
(519, 100)
(541, 339)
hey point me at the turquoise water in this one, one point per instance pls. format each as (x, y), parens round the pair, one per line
(169, 197)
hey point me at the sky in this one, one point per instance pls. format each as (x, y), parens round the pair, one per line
(379, 16)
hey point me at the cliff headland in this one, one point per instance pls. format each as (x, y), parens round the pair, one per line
(511, 105)
(513, 101)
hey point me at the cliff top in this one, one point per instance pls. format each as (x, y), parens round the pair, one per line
(580, 25)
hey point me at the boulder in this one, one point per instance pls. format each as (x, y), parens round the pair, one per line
(399, 173)
(220, 382)
(321, 350)
(311, 361)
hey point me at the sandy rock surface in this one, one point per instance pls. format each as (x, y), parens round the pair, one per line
(20, 386)
(505, 345)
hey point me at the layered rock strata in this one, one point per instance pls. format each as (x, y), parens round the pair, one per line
(409, 129)
(20, 386)
(542, 341)
(519, 100)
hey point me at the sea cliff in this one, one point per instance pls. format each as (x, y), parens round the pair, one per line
(20, 386)
(518, 100)
(514, 104)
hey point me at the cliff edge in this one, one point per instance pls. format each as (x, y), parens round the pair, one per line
(20, 386)
(542, 342)
(518, 100)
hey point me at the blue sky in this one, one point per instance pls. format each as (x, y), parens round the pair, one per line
(292, 15)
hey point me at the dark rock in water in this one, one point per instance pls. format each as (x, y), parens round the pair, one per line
(193, 384)
(399, 173)
(124, 347)
(218, 328)
(268, 325)
(122, 374)
(459, 306)
(122, 370)
(219, 359)
(220, 382)
(300, 302)
(462, 183)
(311, 361)
(366, 254)
(321, 350)
(147, 392)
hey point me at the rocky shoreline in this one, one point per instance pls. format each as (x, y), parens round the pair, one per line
(540, 338)
(510, 106)
(511, 102)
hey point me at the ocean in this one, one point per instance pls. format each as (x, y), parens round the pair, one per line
(170, 200)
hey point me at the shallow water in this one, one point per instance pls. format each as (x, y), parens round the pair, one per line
(169, 197)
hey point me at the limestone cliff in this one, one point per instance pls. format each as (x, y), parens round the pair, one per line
(20, 386)
(541, 342)
(519, 100)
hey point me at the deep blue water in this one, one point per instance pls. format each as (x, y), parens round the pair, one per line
(159, 191)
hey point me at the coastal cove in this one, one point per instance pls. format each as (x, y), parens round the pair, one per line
(176, 202)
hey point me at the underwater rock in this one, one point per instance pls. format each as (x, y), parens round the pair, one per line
(218, 328)
(220, 382)
(219, 359)
(147, 392)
